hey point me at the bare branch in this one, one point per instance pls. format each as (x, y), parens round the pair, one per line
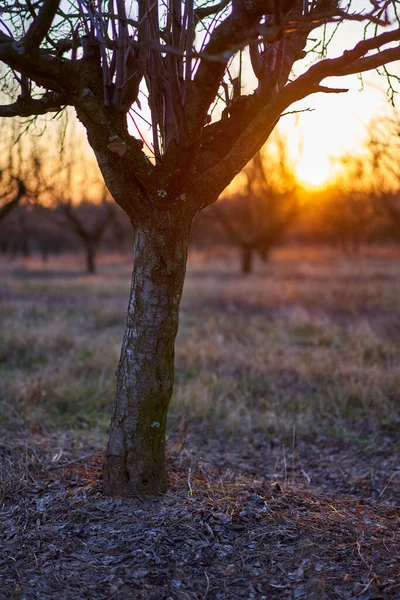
(40, 26)
(120, 54)
(207, 11)
(47, 71)
(347, 63)
(329, 90)
(28, 107)
(257, 131)
(372, 62)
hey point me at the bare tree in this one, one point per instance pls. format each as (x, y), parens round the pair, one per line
(18, 174)
(172, 63)
(10, 198)
(257, 219)
(347, 218)
(383, 143)
(88, 222)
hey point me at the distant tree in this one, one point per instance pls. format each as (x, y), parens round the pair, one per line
(48, 238)
(173, 64)
(347, 219)
(11, 198)
(119, 235)
(64, 205)
(258, 219)
(364, 203)
(88, 222)
(19, 187)
(383, 145)
(390, 204)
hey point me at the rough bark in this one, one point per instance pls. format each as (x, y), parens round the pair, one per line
(135, 463)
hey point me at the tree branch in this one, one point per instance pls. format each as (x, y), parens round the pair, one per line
(50, 72)
(372, 62)
(28, 107)
(206, 11)
(346, 63)
(214, 180)
(219, 137)
(41, 25)
(329, 90)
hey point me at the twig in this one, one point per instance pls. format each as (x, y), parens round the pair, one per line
(208, 585)
(188, 481)
(387, 485)
(295, 112)
(71, 462)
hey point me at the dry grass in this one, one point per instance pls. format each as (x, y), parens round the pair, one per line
(311, 344)
(302, 344)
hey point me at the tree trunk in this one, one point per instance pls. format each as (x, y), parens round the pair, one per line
(135, 463)
(44, 252)
(90, 258)
(265, 252)
(247, 260)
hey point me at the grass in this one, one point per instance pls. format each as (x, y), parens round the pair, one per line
(310, 344)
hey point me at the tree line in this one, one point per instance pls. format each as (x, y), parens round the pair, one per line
(252, 225)
(270, 209)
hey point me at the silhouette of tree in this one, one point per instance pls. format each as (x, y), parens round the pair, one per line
(257, 220)
(10, 203)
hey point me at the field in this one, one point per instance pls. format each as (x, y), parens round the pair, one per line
(284, 434)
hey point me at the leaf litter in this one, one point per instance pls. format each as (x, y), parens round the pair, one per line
(235, 526)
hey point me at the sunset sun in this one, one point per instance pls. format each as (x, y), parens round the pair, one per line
(314, 171)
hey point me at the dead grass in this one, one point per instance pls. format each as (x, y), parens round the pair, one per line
(298, 344)
(283, 443)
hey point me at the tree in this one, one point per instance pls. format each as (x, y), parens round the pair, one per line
(87, 221)
(11, 202)
(347, 218)
(257, 220)
(18, 181)
(179, 61)
(90, 235)
(384, 171)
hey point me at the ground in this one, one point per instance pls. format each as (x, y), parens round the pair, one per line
(283, 436)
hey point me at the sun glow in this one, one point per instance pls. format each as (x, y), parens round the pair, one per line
(314, 171)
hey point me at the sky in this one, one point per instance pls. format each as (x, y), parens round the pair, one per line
(336, 126)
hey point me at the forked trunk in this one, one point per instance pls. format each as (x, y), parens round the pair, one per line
(135, 463)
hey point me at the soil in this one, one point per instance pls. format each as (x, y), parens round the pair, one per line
(243, 518)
